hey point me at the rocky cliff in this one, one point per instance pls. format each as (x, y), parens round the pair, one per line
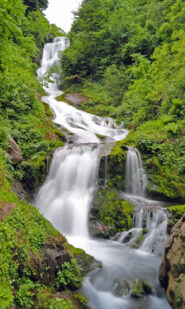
(172, 270)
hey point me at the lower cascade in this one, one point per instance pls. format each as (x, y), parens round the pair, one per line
(150, 226)
(66, 197)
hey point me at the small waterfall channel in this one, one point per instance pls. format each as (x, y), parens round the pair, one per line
(66, 196)
(136, 179)
(150, 218)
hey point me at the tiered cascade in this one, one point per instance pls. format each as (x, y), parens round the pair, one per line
(67, 194)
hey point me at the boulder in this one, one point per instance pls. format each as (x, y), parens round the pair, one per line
(13, 152)
(172, 269)
(140, 289)
(99, 229)
(44, 266)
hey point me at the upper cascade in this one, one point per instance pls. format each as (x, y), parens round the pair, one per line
(50, 55)
(136, 179)
(84, 126)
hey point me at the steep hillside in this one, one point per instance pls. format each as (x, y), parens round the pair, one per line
(36, 262)
(22, 116)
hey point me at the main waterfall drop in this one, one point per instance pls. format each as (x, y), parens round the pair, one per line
(68, 191)
(66, 196)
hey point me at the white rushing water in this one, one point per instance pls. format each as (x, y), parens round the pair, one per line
(136, 180)
(151, 224)
(66, 196)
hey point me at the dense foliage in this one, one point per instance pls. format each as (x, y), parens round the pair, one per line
(128, 57)
(22, 115)
(25, 277)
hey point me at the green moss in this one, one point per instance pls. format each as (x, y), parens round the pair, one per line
(116, 166)
(6, 295)
(61, 304)
(176, 211)
(100, 136)
(84, 260)
(140, 239)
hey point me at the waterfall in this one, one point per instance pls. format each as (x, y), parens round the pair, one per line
(84, 126)
(67, 193)
(136, 179)
(151, 224)
(50, 55)
(153, 219)
(66, 196)
(156, 225)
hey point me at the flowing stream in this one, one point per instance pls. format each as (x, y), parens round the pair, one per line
(66, 197)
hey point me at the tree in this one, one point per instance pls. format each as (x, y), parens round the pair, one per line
(36, 4)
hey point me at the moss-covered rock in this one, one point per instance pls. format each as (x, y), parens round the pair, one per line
(116, 166)
(86, 262)
(141, 288)
(110, 214)
(176, 212)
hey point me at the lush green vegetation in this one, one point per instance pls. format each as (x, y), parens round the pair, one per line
(30, 275)
(128, 58)
(22, 115)
(26, 267)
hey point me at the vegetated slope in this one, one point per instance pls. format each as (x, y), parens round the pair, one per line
(22, 115)
(128, 58)
(36, 263)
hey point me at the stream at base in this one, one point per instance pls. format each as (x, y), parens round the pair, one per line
(67, 194)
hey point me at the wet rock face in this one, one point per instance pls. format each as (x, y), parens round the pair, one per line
(14, 152)
(172, 269)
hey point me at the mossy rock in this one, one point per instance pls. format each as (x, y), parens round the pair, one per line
(140, 289)
(113, 167)
(110, 214)
(117, 165)
(177, 211)
(140, 239)
(86, 262)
